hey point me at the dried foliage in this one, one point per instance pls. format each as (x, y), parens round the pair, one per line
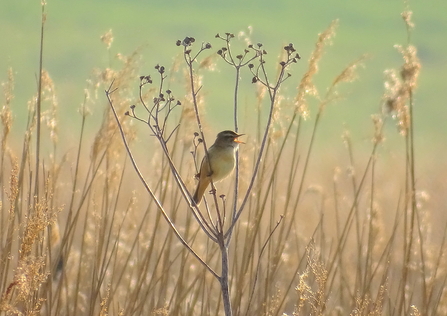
(81, 234)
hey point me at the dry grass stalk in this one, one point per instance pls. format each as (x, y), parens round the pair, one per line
(118, 257)
(306, 86)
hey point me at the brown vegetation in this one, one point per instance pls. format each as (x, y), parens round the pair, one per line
(81, 235)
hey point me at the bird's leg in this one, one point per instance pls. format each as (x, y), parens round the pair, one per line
(213, 188)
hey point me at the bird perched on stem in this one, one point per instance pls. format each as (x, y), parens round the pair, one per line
(222, 158)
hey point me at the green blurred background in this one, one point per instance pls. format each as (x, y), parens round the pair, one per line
(73, 49)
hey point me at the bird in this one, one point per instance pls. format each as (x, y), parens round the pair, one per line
(222, 155)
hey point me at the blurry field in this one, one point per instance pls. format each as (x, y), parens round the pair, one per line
(73, 50)
(364, 221)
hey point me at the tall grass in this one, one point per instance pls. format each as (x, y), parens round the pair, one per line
(84, 234)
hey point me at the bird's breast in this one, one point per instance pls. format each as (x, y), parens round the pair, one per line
(222, 164)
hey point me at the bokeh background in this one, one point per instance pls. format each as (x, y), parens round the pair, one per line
(73, 49)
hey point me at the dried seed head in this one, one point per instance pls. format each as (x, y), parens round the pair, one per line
(289, 48)
(188, 41)
(107, 38)
(306, 86)
(411, 68)
(378, 123)
(406, 16)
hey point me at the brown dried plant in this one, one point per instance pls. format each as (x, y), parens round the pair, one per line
(338, 250)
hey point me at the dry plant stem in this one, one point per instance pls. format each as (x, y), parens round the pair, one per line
(197, 214)
(237, 63)
(216, 233)
(73, 220)
(223, 279)
(222, 240)
(39, 106)
(344, 235)
(6, 120)
(411, 195)
(273, 91)
(189, 61)
(236, 129)
(271, 188)
(6, 250)
(437, 265)
(356, 211)
(158, 131)
(149, 190)
(73, 191)
(259, 262)
(370, 240)
(410, 83)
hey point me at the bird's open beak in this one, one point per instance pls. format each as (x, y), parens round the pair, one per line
(237, 140)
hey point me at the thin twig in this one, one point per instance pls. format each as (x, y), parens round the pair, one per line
(152, 194)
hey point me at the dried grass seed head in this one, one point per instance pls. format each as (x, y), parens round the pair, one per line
(406, 16)
(306, 86)
(107, 38)
(6, 113)
(412, 66)
(29, 276)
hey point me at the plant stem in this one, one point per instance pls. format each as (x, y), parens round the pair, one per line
(224, 277)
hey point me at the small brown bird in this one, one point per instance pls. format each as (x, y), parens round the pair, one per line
(222, 157)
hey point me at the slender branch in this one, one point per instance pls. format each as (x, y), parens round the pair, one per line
(272, 93)
(151, 193)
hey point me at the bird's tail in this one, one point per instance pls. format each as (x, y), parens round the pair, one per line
(200, 190)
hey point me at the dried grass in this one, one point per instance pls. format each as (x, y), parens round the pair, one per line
(355, 240)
